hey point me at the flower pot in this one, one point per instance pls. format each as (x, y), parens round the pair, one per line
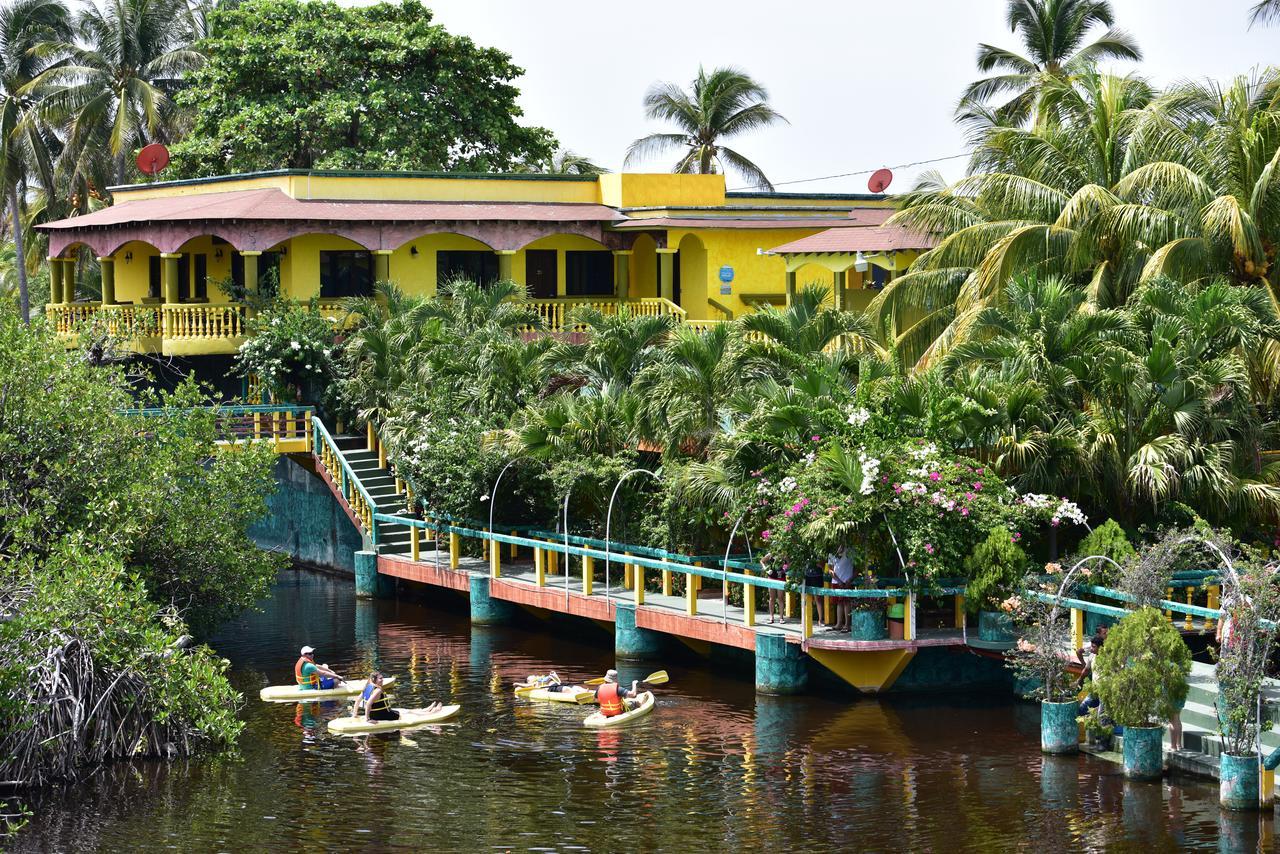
(995, 627)
(869, 626)
(1238, 781)
(1143, 752)
(1059, 732)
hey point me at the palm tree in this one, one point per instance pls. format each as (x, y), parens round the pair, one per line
(781, 341)
(685, 389)
(30, 32)
(1266, 12)
(566, 162)
(721, 104)
(1052, 34)
(617, 348)
(114, 93)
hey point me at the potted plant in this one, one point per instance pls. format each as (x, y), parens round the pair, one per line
(1245, 643)
(995, 569)
(867, 616)
(1141, 679)
(1039, 662)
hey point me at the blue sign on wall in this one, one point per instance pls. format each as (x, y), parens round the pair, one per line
(726, 274)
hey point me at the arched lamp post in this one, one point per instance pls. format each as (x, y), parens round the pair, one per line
(608, 522)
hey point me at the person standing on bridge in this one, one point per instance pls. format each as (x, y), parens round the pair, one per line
(310, 675)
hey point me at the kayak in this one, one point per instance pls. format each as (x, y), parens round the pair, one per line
(408, 718)
(568, 694)
(599, 721)
(294, 694)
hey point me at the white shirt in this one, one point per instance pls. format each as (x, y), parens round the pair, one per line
(842, 566)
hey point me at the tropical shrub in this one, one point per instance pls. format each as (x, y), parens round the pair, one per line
(994, 570)
(1141, 672)
(291, 349)
(1110, 541)
(1252, 602)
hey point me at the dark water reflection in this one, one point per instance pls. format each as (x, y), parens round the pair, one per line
(715, 765)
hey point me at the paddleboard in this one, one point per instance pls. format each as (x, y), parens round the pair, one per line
(294, 694)
(408, 718)
(599, 721)
(568, 694)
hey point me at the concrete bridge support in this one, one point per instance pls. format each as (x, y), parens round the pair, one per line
(780, 666)
(485, 610)
(630, 642)
(369, 584)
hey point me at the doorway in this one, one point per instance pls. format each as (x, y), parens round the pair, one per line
(540, 273)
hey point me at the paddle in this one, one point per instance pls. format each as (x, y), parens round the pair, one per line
(658, 678)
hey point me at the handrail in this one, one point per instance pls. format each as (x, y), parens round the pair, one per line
(353, 492)
(721, 307)
(663, 302)
(231, 408)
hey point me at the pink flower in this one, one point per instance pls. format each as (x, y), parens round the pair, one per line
(1016, 536)
(964, 511)
(897, 487)
(785, 567)
(977, 486)
(935, 476)
(816, 438)
(928, 547)
(979, 472)
(764, 535)
(968, 496)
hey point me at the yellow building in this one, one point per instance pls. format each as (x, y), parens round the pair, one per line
(665, 244)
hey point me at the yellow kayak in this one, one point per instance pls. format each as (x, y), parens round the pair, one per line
(599, 721)
(294, 694)
(408, 718)
(567, 694)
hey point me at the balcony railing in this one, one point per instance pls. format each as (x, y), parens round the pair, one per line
(200, 322)
(556, 313)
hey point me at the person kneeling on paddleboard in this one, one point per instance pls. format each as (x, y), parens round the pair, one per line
(613, 698)
(312, 676)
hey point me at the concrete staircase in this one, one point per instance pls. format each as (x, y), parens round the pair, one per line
(381, 486)
(1200, 739)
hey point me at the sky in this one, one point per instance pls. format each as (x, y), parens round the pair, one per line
(863, 84)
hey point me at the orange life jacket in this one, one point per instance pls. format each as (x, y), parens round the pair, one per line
(610, 700)
(313, 680)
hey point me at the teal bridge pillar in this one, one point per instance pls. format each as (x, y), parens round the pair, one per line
(780, 666)
(630, 642)
(369, 584)
(485, 610)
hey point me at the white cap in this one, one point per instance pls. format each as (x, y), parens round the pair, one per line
(307, 650)
(611, 675)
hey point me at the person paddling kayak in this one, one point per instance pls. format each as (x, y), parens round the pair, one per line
(613, 698)
(309, 674)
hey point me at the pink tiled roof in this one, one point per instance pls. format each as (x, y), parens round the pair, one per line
(272, 204)
(857, 216)
(858, 239)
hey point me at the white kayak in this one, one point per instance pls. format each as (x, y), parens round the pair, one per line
(567, 694)
(599, 721)
(408, 718)
(294, 694)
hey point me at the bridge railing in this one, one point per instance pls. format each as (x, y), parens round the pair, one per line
(340, 473)
(286, 426)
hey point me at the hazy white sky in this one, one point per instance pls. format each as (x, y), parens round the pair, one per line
(864, 83)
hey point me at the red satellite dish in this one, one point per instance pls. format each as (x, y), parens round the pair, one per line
(152, 158)
(880, 181)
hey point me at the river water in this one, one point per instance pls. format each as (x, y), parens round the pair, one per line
(715, 766)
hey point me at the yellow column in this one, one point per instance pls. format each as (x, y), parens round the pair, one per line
(455, 549)
(791, 287)
(68, 281)
(108, 267)
(666, 582)
(371, 441)
(399, 485)
(55, 280)
(748, 603)
(1077, 629)
(495, 559)
(837, 293)
(250, 271)
(588, 574)
(959, 612)
(1168, 594)
(908, 618)
(1186, 624)
(690, 596)
(826, 604)
(506, 267)
(622, 268)
(515, 551)
(382, 265)
(806, 620)
(169, 276)
(414, 542)
(1214, 592)
(540, 561)
(788, 604)
(638, 578)
(628, 573)
(666, 273)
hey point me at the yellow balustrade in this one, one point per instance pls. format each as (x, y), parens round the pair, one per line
(204, 322)
(67, 319)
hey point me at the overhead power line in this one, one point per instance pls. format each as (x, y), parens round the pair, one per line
(859, 172)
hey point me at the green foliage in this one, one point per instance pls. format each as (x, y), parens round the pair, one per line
(994, 569)
(1141, 671)
(321, 86)
(1107, 540)
(291, 349)
(1252, 603)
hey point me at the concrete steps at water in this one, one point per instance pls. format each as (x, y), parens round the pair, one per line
(1202, 744)
(381, 488)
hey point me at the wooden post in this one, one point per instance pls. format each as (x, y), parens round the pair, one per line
(959, 611)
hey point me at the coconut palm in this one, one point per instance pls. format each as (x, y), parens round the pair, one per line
(31, 32)
(566, 162)
(721, 103)
(781, 341)
(616, 349)
(684, 389)
(1053, 34)
(1266, 12)
(114, 92)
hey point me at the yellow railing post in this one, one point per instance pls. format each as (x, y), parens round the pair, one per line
(540, 566)
(690, 596)
(909, 618)
(1214, 592)
(455, 549)
(666, 582)
(495, 558)
(806, 620)
(1168, 594)
(413, 542)
(788, 604)
(638, 578)
(399, 486)
(627, 580)
(588, 574)
(515, 551)
(1186, 624)
(826, 604)
(748, 602)
(1077, 629)
(959, 611)
(370, 441)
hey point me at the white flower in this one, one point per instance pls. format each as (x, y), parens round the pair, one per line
(924, 452)
(788, 484)
(870, 469)
(295, 345)
(858, 417)
(484, 497)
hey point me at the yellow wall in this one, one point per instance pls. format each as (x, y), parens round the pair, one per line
(300, 266)
(417, 274)
(622, 190)
(161, 189)
(133, 277)
(399, 188)
(790, 200)
(753, 274)
(642, 272)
